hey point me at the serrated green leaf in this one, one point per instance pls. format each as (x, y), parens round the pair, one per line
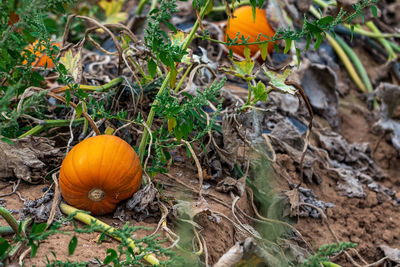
(244, 67)
(277, 81)
(111, 255)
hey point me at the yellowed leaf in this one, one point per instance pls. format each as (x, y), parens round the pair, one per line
(71, 63)
(113, 11)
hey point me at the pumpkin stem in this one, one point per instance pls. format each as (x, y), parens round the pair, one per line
(96, 194)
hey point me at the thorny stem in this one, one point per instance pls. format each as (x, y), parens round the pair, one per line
(164, 86)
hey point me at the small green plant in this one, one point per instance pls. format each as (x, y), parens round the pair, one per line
(325, 251)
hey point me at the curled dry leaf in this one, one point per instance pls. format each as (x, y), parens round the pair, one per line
(27, 158)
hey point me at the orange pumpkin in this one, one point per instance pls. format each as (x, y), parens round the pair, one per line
(99, 172)
(243, 23)
(41, 59)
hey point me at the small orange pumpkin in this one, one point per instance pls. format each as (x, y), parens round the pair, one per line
(243, 23)
(99, 172)
(41, 59)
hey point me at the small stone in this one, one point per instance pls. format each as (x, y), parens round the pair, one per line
(388, 236)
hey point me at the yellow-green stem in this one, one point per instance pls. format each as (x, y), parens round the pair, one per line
(342, 55)
(183, 78)
(48, 124)
(12, 222)
(359, 66)
(383, 41)
(90, 220)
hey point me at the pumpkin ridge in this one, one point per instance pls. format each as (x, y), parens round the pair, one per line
(104, 144)
(74, 169)
(112, 164)
(132, 165)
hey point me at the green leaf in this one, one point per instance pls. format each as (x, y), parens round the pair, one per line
(318, 41)
(4, 246)
(152, 67)
(68, 96)
(298, 57)
(264, 50)
(247, 53)
(326, 20)
(39, 228)
(288, 44)
(79, 110)
(374, 11)
(72, 245)
(111, 255)
(308, 42)
(34, 249)
(277, 81)
(253, 4)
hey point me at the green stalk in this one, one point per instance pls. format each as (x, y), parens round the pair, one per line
(394, 46)
(6, 230)
(361, 31)
(149, 122)
(183, 78)
(49, 124)
(383, 41)
(330, 264)
(12, 222)
(359, 66)
(141, 5)
(101, 88)
(342, 55)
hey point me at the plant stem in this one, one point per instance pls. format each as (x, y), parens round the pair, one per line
(91, 221)
(359, 66)
(12, 222)
(141, 5)
(100, 88)
(149, 122)
(342, 55)
(49, 124)
(383, 41)
(183, 78)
